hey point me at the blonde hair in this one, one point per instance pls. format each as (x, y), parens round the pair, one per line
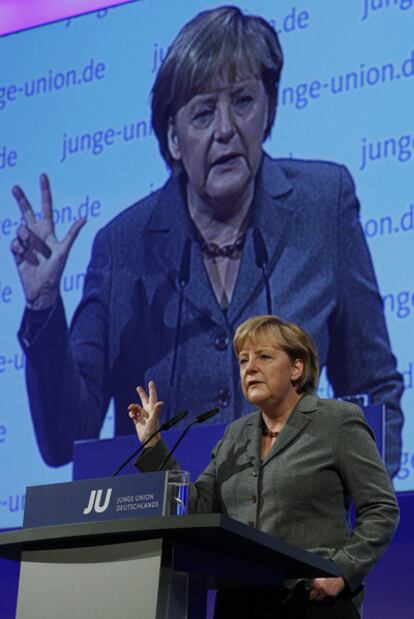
(293, 340)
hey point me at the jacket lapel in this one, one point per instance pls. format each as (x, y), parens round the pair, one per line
(300, 418)
(169, 228)
(252, 438)
(272, 214)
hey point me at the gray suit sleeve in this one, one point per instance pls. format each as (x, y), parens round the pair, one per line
(364, 477)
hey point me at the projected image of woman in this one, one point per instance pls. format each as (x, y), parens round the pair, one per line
(233, 233)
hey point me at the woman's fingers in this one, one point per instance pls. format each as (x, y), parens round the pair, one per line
(137, 413)
(152, 394)
(24, 205)
(26, 209)
(30, 240)
(18, 250)
(23, 248)
(28, 246)
(145, 416)
(143, 396)
(71, 235)
(47, 207)
(150, 402)
(23, 234)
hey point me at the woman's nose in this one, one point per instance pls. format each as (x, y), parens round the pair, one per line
(225, 128)
(250, 365)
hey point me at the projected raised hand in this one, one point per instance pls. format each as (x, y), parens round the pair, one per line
(146, 415)
(41, 257)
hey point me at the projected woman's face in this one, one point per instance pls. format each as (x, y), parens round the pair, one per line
(218, 138)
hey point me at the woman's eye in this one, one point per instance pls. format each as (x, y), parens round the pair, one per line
(203, 117)
(242, 103)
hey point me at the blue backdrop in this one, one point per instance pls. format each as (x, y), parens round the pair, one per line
(74, 101)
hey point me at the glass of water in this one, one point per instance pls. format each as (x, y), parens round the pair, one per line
(177, 493)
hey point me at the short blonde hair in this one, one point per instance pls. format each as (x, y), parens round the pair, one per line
(293, 340)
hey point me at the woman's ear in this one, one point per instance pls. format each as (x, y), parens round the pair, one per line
(296, 370)
(173, 141)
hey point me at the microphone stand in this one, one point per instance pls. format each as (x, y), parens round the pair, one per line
(262, 261)
(182, 281)
(165, 426)
(199, 419)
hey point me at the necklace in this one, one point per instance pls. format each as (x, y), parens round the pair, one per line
(267, 432)
(212, 250)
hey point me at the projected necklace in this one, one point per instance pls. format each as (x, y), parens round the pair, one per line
(213, 250)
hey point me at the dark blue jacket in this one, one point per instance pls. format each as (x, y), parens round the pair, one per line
(123, 331)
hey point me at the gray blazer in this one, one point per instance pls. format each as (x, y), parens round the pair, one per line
(324, 458)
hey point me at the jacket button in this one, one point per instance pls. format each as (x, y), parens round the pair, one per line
(224, 397)
(253, 499)
(221, 342)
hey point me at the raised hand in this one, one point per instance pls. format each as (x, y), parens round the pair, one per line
(40, 257)
(146, 415)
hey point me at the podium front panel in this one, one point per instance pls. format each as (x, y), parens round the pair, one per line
(106, 581)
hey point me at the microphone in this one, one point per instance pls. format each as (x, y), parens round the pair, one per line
(182, 281)
(204, 416)
(169, 424)
(165, 426)
(262, 262)
(184, 272)
(199, 419)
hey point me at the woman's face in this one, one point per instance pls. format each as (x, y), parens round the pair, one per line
(218, 135)
(267, 374)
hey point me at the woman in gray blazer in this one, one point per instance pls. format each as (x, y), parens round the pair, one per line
(291, 468)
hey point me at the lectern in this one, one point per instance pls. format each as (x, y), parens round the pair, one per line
(146, 568)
